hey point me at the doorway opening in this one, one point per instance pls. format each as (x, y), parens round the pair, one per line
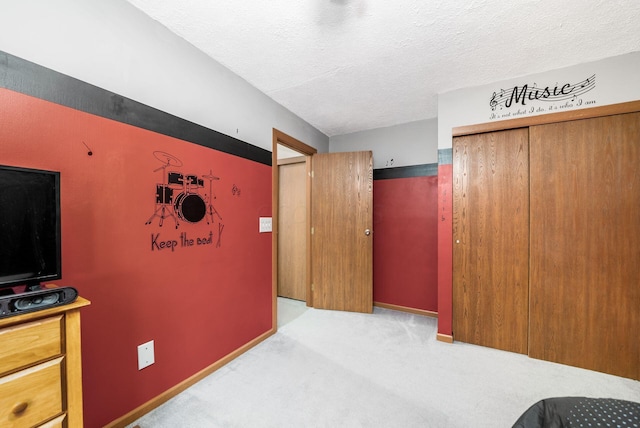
(292, 262)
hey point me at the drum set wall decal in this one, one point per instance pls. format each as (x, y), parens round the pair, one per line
(178, 195)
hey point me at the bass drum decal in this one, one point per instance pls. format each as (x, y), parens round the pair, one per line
(190, 207)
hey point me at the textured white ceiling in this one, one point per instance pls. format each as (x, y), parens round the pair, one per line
(352, 65)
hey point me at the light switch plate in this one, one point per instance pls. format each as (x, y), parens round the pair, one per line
(146, 355)
(265, 224)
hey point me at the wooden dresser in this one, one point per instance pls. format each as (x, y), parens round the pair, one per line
(40, 368)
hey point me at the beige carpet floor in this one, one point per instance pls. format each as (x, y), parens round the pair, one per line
(386, 369)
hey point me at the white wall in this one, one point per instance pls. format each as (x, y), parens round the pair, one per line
(112, 45)
(413, 143)
(617, 81)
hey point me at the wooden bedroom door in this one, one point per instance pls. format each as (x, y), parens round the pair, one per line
(585, 243)
(292, 228)
(342, 238)
(491, 239)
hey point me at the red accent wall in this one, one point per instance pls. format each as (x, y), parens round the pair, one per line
(405, 252)
(199, 302)
(445, 249)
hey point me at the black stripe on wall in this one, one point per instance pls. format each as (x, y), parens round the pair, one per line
(406, 171)
(445, 156)
(37, 81)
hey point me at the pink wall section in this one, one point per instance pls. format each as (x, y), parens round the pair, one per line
(198, 303)
(405, 252)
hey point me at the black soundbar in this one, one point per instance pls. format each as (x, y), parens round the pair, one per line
(30, 301)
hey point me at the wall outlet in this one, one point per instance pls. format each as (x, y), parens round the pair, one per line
(146, 355)
(265, 224)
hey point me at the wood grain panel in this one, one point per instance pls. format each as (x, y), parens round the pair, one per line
(31, 396)
(292, 231)
(342, 209)
(585, 197)
(30, 343)
(73, 369)
(491, 239)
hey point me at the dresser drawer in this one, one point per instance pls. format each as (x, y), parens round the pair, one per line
(31, 396)
(56, 423)
(26, 344)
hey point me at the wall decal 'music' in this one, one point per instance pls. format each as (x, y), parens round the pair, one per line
(178, 197)
(558, 96)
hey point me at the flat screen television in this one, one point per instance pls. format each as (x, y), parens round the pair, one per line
(30, 245)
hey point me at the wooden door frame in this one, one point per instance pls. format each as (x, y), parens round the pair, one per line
(307, 151)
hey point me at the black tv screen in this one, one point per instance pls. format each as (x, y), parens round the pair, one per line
(30, 246)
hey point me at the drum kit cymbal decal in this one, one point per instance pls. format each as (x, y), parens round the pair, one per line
(178, 196)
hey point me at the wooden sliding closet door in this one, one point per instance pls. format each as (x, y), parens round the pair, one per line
(491, 239)
(585, 244)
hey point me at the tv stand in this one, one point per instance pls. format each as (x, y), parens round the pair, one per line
(40, 367)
